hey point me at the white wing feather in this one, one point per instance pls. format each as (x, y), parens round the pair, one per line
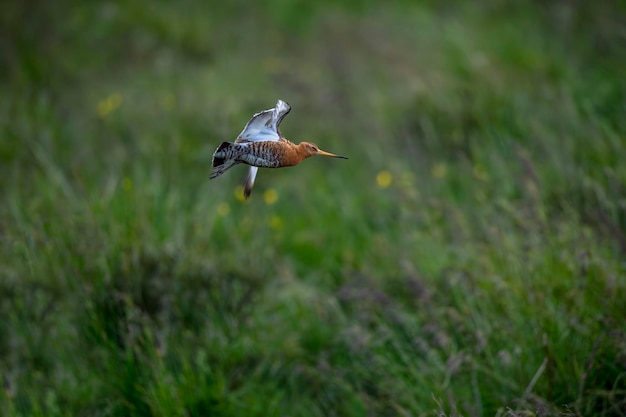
(264, 126)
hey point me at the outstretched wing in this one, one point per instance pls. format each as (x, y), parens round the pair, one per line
(264, 125)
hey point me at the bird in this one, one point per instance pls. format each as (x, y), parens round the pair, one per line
(262, 145)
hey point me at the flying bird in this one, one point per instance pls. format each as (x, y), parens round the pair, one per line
(261, 145)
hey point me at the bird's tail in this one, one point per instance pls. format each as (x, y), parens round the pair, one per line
(220, 154)
(222, 160)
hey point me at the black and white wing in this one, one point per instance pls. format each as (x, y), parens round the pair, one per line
(264, 126)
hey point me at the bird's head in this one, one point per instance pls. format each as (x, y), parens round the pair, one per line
(311, 149)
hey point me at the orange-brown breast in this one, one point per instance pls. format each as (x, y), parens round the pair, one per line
(293, 154)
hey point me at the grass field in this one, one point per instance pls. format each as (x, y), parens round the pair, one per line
(468, 259)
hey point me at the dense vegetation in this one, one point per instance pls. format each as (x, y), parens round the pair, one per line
(468, 259)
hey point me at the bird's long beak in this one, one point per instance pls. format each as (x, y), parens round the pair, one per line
(332, 155)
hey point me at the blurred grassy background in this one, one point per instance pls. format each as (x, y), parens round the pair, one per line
(468, 259)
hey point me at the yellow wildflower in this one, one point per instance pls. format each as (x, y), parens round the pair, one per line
(109, 104)
(239, 193)
(270, 196)
(383, 179)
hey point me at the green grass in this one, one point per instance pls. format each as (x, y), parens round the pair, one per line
(487, 278)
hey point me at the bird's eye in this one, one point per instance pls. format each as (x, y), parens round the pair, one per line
(313, 148)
